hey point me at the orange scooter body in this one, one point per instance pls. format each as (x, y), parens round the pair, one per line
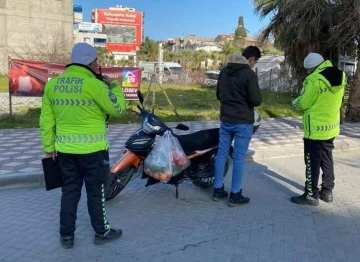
(131, 159)
(126, 160)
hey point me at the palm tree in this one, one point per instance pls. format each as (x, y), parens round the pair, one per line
(149, 50)
(169, 56)
(227, 48)
(123, 62)
(198, 58)
(215, 57)
(323, 26)
(185, 57)
(176, 57)
(300, 27)
(105, 58)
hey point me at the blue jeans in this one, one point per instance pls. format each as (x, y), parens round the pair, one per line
(242, 134)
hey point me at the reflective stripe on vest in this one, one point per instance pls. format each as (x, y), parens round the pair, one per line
(327, 127)
(80, 138)
(113, 99)
(72, 102)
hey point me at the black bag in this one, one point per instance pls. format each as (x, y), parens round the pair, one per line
(52, 173)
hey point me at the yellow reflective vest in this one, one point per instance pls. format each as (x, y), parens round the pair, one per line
(74, 108)
(321, 100)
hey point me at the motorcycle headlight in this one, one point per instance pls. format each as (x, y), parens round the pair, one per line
(149, 128)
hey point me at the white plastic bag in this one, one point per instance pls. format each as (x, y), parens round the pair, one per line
(166, 159)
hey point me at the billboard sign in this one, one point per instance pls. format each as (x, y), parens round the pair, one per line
(123, 29)
(90, 27)
(28, 78)
(78, 15)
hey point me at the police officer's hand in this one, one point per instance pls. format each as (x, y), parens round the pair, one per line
(108, 80)
(50, 155)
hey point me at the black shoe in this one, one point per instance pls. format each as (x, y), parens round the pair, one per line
(237, 199)
(219, 193)
(304, 199)
(326, 196)
(111, 235)
(67, 242)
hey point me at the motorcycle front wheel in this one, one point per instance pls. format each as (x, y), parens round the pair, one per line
(207, 182)
(117, 182)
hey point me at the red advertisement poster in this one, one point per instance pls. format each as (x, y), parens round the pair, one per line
(123, 29)
(28, 78)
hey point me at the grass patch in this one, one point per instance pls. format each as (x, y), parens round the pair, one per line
(27, 119)
(191, 103)
(277, 105)
(4, 84)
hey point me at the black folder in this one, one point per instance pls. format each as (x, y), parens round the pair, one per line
(52, 174)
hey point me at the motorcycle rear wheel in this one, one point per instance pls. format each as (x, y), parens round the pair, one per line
(208, 182)
(117, 182)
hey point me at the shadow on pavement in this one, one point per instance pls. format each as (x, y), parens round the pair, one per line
(158, 227)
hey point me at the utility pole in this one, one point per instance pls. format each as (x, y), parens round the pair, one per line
(160, 63)
(159, 82)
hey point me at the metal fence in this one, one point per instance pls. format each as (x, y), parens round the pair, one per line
(278, 80)
(189, 97)
(194, 96)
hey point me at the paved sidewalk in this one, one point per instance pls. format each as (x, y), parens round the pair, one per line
(21, 151)
(157, 227)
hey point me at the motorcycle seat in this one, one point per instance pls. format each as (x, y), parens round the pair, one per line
(200, 140)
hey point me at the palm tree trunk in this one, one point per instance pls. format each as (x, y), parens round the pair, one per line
(353, 112)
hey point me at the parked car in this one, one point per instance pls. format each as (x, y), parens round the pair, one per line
(172, 71)
(211, 78)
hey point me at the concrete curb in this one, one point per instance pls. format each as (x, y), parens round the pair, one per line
(21, 180)
(291, 151)
(36, 179)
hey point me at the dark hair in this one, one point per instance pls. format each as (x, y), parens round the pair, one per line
(251, 51)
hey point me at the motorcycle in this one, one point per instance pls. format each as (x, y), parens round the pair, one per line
(200, 147)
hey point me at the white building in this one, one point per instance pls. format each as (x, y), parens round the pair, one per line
(207, 46)
(95, 39)
(203, 46)
(90, 33)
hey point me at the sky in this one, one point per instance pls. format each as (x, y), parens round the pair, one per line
(168, 19)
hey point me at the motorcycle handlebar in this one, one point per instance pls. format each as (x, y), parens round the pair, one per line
(179, 126)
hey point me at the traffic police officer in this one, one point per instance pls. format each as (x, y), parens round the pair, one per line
(321, 100)
(73, 124)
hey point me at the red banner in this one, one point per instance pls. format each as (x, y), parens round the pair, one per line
(123, 29)
(28, 78)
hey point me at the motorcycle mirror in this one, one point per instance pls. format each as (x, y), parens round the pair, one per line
(182, 127)
(141, 97)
